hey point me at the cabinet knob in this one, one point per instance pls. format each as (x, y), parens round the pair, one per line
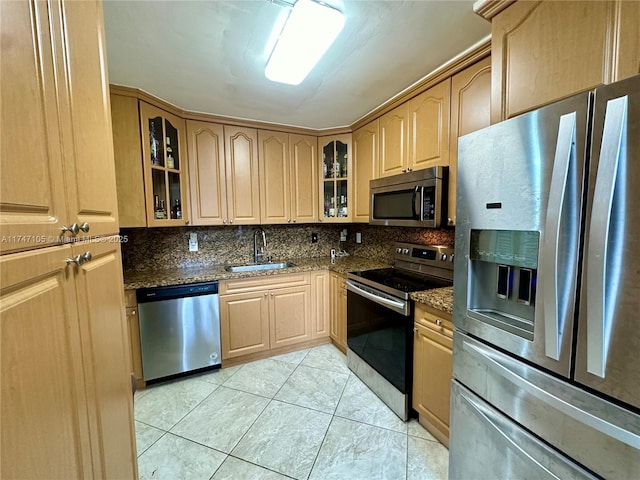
(294, 220)
(288, 220)
(133, 312)
(80, 259)
(74, 229)
(409, 169)
(265, 294)
(438, 322)
(186, 222)
(272, 294)
(404, 170)
(84, 227)
(415, 330)
(231, 221)
(450, 221)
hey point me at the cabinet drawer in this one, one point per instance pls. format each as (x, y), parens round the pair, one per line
(253, 284)
(434, 320)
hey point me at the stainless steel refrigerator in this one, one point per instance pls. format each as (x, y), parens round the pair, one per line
(546, 359)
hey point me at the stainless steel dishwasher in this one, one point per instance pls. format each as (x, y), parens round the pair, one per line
(179, 329)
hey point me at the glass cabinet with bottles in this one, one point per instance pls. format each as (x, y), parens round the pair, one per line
(336, 175)
(165, 164)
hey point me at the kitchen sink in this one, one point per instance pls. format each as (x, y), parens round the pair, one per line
(250, 267)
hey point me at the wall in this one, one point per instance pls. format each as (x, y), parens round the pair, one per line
(153, 248)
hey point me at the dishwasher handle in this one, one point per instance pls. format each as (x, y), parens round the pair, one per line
(156, 294)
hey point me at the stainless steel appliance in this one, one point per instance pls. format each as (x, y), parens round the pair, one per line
(380, 319)
(547, 293)
(414, 199)
(179, 329)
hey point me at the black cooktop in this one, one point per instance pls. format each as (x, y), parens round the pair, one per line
(401, 280)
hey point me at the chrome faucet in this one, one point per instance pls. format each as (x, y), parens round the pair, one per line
(259, 253)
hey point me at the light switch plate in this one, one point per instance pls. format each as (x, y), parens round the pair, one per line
(358, 237)
(193, 242)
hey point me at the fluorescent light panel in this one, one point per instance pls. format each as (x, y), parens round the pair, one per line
(310, 30)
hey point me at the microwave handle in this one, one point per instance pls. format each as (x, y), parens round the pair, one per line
(414, 210)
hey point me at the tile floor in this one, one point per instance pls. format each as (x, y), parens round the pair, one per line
(301, 415)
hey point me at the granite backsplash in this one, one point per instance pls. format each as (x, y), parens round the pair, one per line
(152, 248)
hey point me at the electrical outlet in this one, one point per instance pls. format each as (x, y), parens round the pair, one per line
(343, 235)
(314, 237)
(358, 237)
(193, 242)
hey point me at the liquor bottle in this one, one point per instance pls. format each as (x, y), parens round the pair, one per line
(157, 211)
(153, 141)
(176, 210)
(344, 166)
(170, 160)
(163, 210)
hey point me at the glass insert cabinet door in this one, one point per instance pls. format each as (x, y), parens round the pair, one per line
(165, 174)
(336, 176)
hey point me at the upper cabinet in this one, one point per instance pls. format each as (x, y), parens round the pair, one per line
(303, 157)
(394, 141)
(543, 51)
(335, 196)
(56, 160)
(243, 183)
(470, 111)
(165, 166)
(429, 127)
(365, 166)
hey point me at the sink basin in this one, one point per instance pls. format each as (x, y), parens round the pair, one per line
(250, 267)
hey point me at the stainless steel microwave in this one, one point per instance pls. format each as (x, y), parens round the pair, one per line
(414, 199)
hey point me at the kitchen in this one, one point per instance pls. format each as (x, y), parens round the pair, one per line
(524, 39)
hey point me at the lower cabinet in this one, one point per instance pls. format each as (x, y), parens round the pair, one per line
(262, 314)
(338, 329)
(133, 324)
(432, 359)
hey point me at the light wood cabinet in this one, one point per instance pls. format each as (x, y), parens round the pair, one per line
(261, 314)
(288, 177)
(243, 182)
(338, 323)
(66, 392)
(543, 51)
(432, 366)
(429, 127)
(133, 324)
(320, 304)
(165, 167)
(394, 141)
(336, 192)
(207, 175)
(470, 111)
(365, 165)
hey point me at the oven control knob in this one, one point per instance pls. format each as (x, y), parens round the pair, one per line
(443, 257)
(451, 257)
(405, 251)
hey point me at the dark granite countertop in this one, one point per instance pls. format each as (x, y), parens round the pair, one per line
(179, 276)
(438, 298)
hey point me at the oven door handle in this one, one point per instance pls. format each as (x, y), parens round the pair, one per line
(395, 305)
(414, 211)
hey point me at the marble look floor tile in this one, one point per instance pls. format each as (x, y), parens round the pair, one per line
(164, 405)
(292, 357)
(264, 377)
(146, 435)
(362, 405)
(172, 457)
(353, 451)
(236, 469)
(222, 419)
(285, 438)
(326, 357)
(416, 430)
(427, 460)
(218, 377)
(313, 388)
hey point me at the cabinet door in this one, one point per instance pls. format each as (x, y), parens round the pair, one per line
(86, 132)
(135, 364)
(275, 194)
(320, 304)
(207, 178)
(470, 111)
(32, 203)
(544, 51)
(125, 122)
(628, 55)
(304, 178)
(342, 318)
(335, 190)
(243, 185)
(394, 141)
(338, 323)
(106, 358)
(244, 324)
(432, 358)
(44, 424)
(366, 163)
(165, 166)
(429, 115)
(290, 315)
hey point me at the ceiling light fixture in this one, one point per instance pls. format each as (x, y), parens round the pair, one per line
(309, 31)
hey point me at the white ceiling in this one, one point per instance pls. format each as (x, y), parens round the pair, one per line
(209, 56)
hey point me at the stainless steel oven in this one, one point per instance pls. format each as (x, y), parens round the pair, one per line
(415, 199)
(380, 319)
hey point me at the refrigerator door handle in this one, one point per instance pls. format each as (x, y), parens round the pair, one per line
(553, 314)
(598, 319)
